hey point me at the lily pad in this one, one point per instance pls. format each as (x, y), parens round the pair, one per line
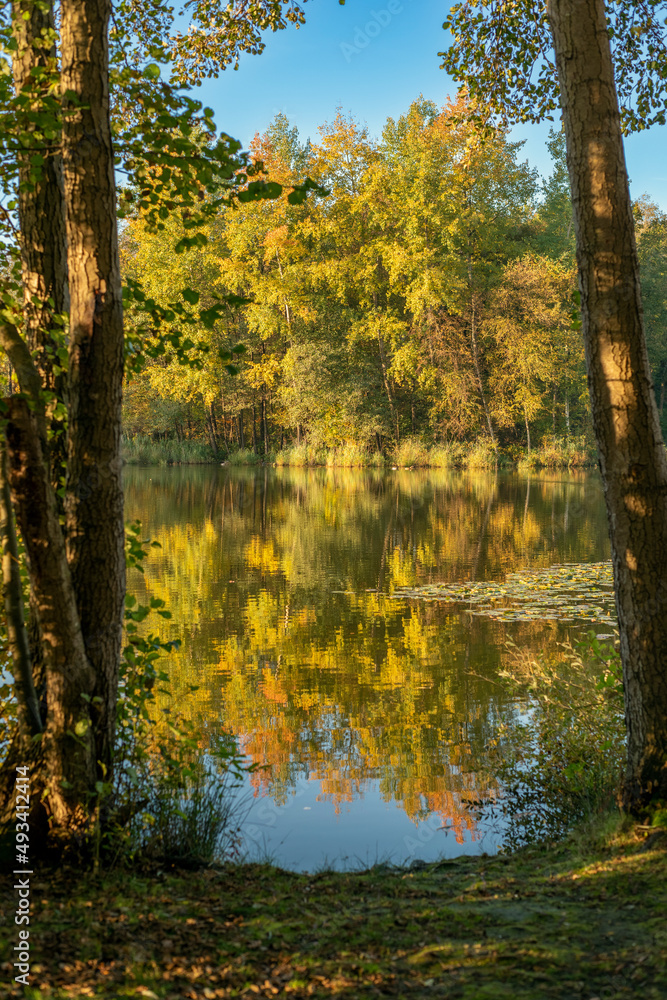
(565, 592)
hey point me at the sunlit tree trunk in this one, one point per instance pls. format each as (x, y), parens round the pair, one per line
(94, 498)
(632, 455)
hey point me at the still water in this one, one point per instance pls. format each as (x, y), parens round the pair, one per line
(368, 714)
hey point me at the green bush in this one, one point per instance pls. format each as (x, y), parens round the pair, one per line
(560, 756)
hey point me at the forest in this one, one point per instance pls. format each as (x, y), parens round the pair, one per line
(429, 296)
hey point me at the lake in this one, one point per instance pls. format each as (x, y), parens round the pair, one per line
(369, 714)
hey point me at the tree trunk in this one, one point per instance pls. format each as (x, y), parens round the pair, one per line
(210, 429)
(265, 427)
(385, 380)
(553, 414)
(94, 497)
(68, 746)
(525, 417)
(625, 418)
(241, 434)
(475, 357)
(41, 203)
(29, 717)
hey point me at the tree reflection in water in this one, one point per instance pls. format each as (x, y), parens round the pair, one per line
(278, 582)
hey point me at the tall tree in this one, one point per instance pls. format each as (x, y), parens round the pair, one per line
(56, 148)
(632, 456)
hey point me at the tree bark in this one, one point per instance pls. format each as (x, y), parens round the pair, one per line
(94, 498)
(478, 370)
(30, 720)
(210, 427)
(41, 201)
(631, 451)
(41, 211)
(265, 427)
(68, 742)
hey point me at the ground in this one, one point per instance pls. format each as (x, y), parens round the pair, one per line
(582, 920)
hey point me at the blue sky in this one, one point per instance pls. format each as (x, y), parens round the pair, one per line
(373, 59)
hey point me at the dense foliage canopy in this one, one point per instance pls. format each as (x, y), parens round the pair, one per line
(431, 292)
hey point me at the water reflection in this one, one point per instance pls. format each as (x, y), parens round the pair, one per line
(375, 711)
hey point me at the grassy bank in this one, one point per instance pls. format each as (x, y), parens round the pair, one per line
(581, 920)
(346, 456)
(410, 453)
(143, 450)
(558, 453)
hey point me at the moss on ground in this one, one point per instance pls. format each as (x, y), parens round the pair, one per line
(577, 921)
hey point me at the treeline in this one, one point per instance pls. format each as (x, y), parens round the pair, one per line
(430, 294)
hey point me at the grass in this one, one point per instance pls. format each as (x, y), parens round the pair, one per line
(413, 452)
(580, 920)
(301, 455)
(244, 456)
(143, 450)
(560, 453)
(553, 453)
(349, 455)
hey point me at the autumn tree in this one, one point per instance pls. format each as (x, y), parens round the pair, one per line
(504, 54)
(538, 354)
(453, 205)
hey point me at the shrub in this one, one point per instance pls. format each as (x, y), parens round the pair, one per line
(560, 757)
